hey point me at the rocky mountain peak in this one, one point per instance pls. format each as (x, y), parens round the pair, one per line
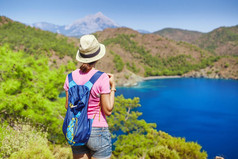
(86, 25)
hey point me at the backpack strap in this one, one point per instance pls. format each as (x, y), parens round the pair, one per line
(93, 79)
(70, 78)
(71, 81)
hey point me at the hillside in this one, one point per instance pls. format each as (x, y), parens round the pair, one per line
(130, 55)
(221, 41)
(225, 67)
(179, 34)
(35, 41)
(152, 55)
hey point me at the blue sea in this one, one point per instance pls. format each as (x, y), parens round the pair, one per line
(201, 110)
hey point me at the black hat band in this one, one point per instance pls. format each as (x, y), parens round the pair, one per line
(90, 55)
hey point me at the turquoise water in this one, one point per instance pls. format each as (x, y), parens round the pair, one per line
(201, 110)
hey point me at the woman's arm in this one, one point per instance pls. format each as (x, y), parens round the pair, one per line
(107, 100)
(67, 97)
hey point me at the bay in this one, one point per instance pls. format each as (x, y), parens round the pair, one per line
(201, 110)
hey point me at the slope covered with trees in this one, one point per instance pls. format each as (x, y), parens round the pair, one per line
(154, 54)
(220, 41)
(34, 41)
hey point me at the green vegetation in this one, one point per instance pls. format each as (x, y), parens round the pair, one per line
(226, 65)
(153, 65)
(34, 41)
(220, 37)
(29, 92)
(126, 42)
(119, 64)
(23, 141)
(132, 67)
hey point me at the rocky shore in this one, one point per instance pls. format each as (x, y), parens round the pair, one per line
(209, 73)
(127, 79)
(133, 80)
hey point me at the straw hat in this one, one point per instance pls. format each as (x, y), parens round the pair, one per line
(90, 49)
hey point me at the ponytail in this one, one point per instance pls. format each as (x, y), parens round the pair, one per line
(86, 67)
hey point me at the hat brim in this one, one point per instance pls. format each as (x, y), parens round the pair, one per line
(92, 59)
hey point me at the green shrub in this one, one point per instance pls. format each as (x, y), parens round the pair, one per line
(24, 141)
(226, 65)
(118, 62)
(127, 76)
(132, 67)
(161, 152)
(62, 152)
(209, 72)
(30, 90)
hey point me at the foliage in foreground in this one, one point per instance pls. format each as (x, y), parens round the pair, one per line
(29, 91)
(23, 141)
(139, 139)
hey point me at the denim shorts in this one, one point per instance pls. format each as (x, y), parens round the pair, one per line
(99, 144)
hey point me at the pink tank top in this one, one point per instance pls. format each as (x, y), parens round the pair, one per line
(101, 86)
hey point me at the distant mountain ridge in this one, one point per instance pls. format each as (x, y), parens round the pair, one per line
(179, 34)
(86, 25)
(48, 27)
(220, 41)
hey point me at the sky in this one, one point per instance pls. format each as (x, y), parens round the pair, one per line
(150, 15)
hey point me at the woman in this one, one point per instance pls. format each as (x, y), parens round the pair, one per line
(101, 99)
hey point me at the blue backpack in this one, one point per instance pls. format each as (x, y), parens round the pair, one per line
(77, 127)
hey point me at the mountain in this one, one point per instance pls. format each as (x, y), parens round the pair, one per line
(143, 31)
(48, 27)
(90, 24)
(86, 25)
(179, 34)
(221, 41)
(150, 54)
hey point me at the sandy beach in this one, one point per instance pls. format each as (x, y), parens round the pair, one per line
(160, 77)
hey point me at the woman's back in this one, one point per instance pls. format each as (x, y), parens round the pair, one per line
(101, 86)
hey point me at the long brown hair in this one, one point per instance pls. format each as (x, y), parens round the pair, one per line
(86, 67)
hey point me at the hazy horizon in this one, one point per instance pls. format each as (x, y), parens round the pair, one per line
(151, 15)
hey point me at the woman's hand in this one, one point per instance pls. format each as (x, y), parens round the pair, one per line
(111, 80)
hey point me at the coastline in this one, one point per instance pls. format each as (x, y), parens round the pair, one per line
(135, 81)
(160, 77)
